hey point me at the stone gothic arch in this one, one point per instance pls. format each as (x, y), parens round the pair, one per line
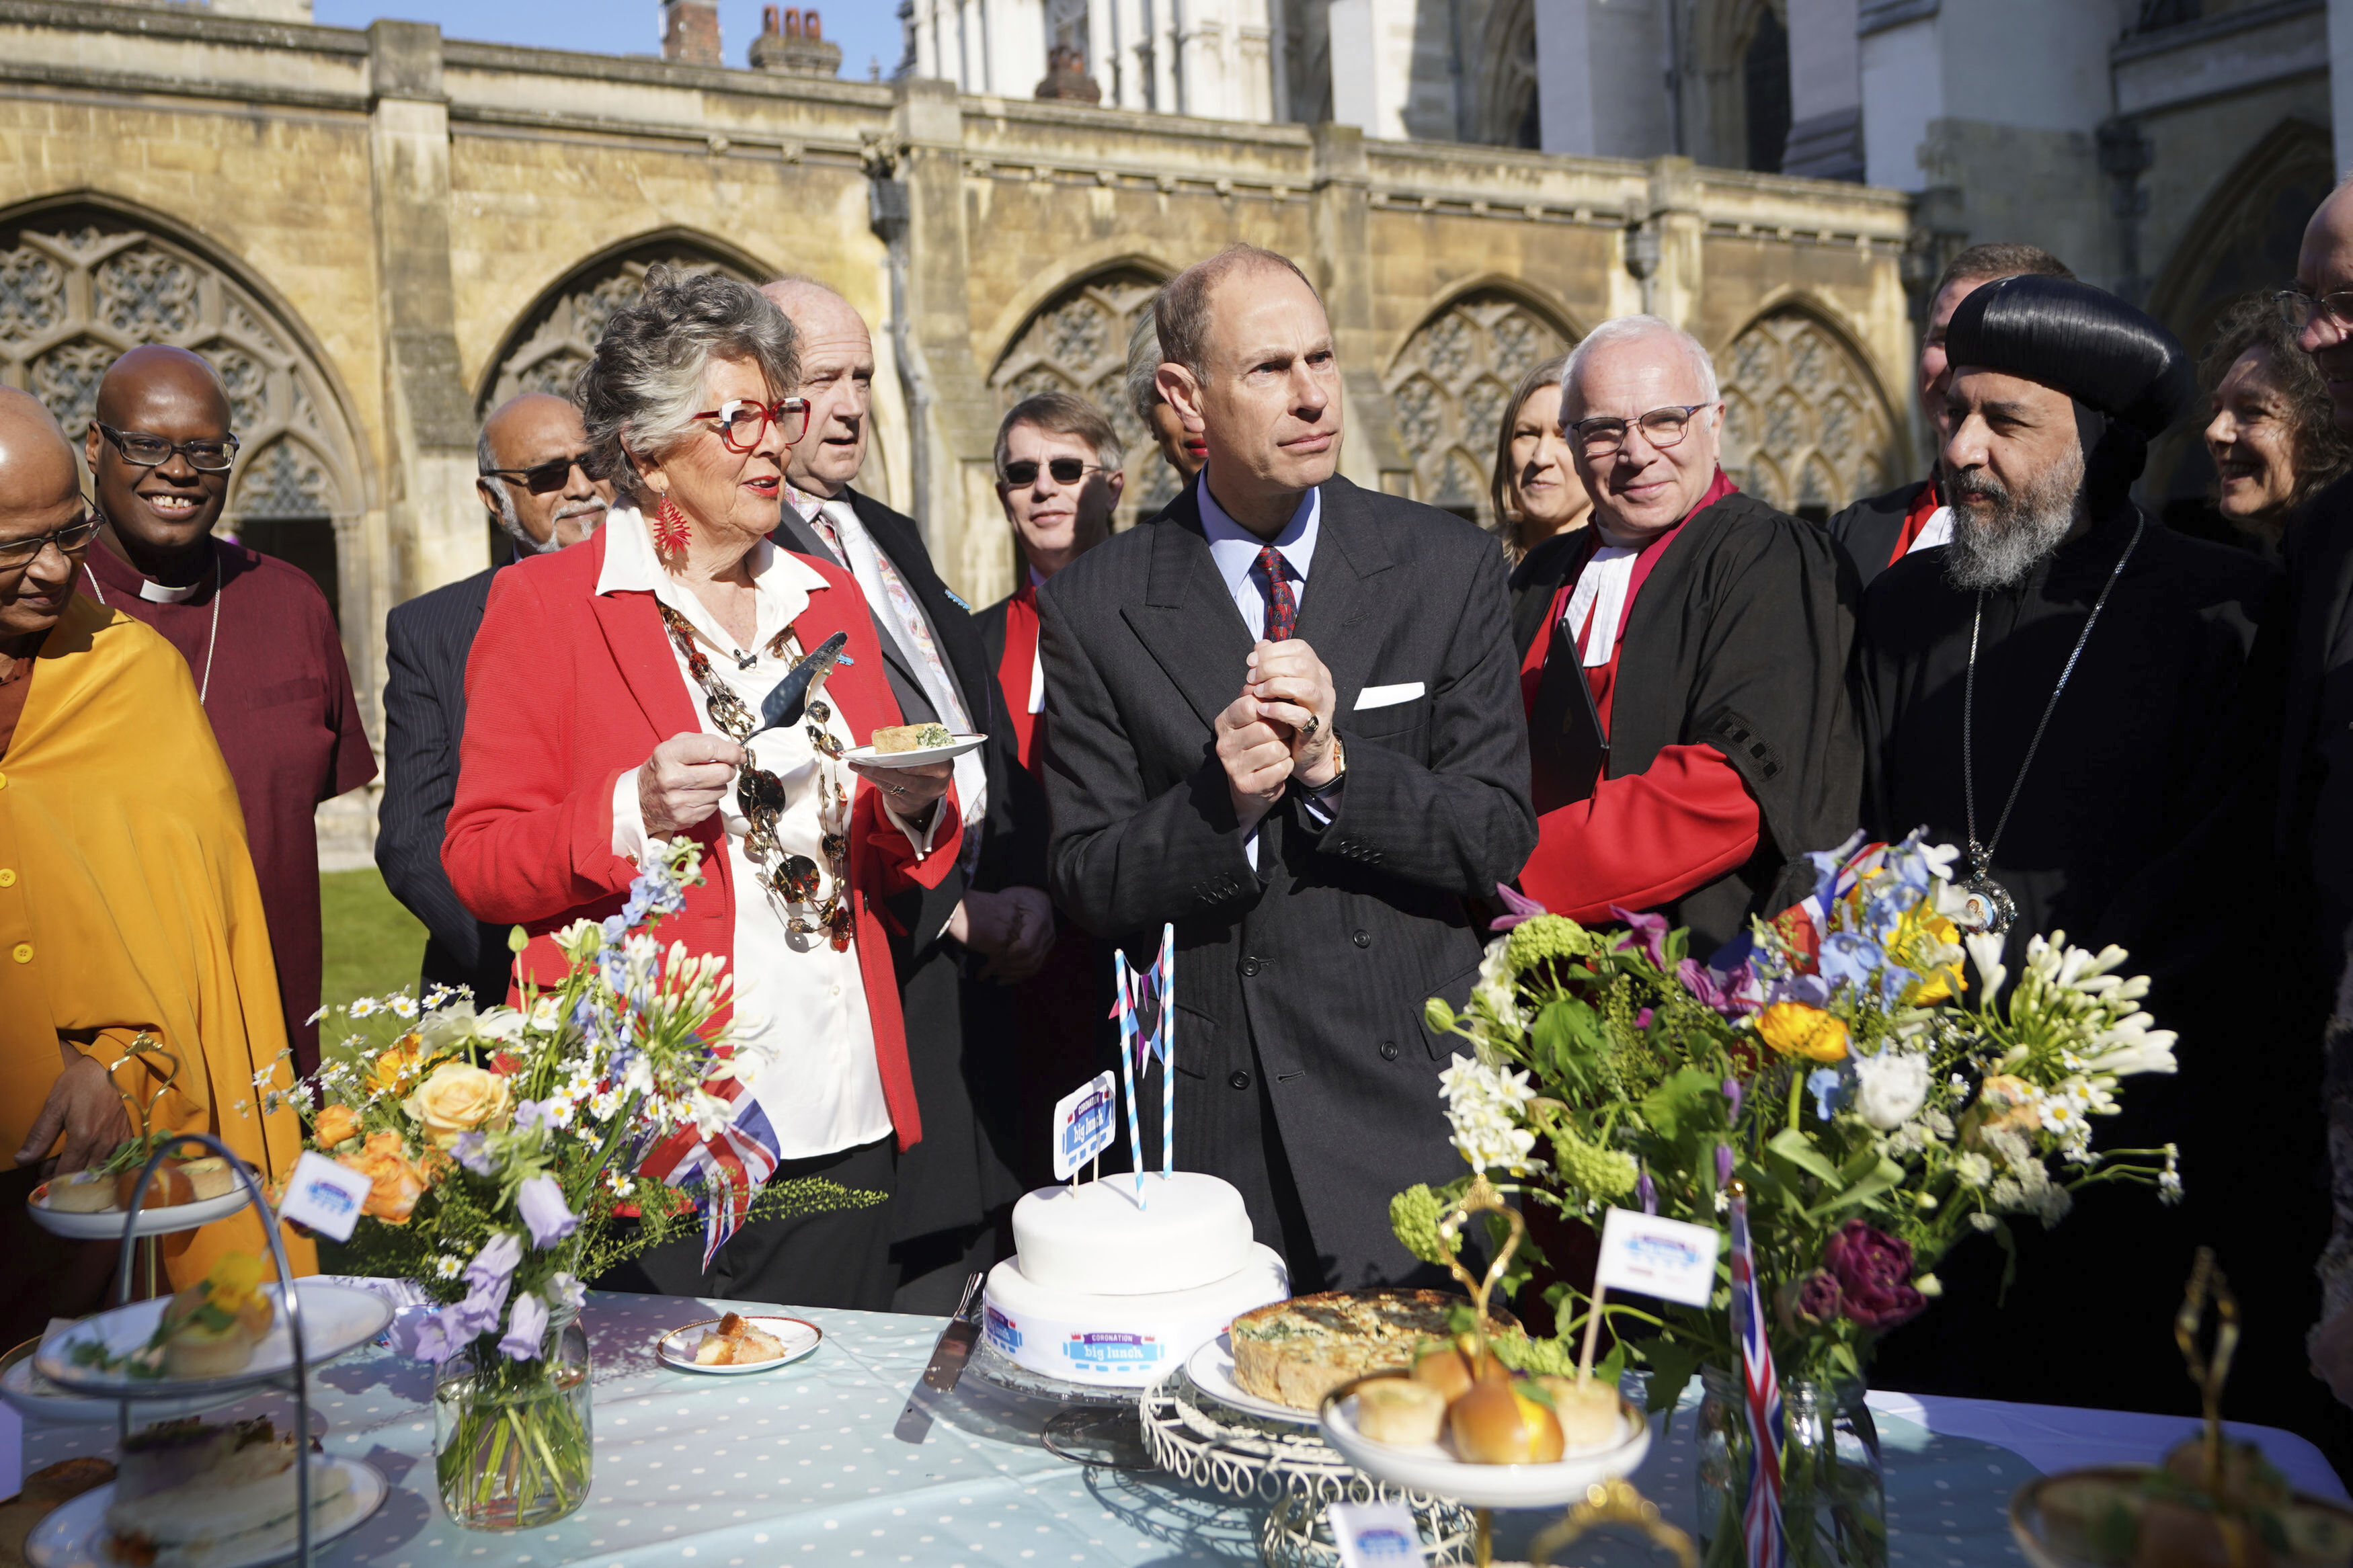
(1806, 427)
(1735, 85)
(1504, 106)
(544, 349)
(1449, 385)
(82, 281)
(1076, 342)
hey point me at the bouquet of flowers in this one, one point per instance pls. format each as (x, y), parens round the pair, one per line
(504, 1147)
(1872, 1112)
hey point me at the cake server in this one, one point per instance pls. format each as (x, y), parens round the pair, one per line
(948, 1357)
(786, 703)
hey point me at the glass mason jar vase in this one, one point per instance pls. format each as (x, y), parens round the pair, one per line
(1833, 1496)
(513, 1442)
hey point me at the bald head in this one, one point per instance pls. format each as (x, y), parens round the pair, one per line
(838, 379)
(2324, 267)
(533, 480)
(40, 493)
(160, 516)
(158, 371)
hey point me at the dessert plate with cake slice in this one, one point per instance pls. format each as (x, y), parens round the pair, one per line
(737, 1343)
(114, 1353)
(912, 746)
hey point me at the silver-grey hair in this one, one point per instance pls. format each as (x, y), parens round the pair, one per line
(1144, 367)
(1631, 329)
(638, 395)
(485, 462)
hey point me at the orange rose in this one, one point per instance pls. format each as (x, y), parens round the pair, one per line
(336, 1124)
(398, 1182)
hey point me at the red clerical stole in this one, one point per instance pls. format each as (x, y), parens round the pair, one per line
(1017, 669)
(1915, 518)
(1641, 840)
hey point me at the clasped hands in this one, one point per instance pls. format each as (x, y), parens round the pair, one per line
(1278, 730)
(687, 777)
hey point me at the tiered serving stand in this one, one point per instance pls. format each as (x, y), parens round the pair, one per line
(321, 1322)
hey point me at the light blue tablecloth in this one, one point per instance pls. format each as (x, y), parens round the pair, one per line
(797, 1468)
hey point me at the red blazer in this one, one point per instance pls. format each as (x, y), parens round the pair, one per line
(565, 691)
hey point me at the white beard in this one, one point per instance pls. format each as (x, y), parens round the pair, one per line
(1996, 547)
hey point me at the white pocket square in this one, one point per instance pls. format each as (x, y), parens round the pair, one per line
(1387, 696)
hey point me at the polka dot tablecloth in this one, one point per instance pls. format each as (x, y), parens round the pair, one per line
(797, 1468)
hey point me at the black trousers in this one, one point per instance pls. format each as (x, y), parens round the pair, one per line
(837, 1259)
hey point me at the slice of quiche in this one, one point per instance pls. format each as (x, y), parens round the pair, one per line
(912, 737)
(1296, 1351)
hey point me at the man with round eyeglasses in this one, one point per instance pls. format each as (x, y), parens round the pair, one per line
(256, 632)
(1683, 662)
(128, 904)
(534, 482)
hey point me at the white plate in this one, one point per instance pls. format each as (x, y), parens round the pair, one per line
(335, 1319)
(36, 1398)
(74, 1535)
(1211, 1368)
(874, 759)
(1430, 1468)
(152, 1220)
(676, 1348)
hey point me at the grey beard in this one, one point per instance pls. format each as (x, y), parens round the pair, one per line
(1999, 550)
(524, 544)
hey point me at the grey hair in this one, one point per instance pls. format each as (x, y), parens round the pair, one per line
(1633, 329)
(1144, 367)
(638, 395)
(485, 461)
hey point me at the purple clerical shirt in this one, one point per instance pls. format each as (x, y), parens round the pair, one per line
(279, 698)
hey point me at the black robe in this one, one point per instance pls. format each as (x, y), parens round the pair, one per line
(2142, 823)
(1738, 639)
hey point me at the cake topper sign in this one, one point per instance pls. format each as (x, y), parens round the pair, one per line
(1149, 992)
(1082, 1124)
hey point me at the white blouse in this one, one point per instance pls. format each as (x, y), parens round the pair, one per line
(795, 995)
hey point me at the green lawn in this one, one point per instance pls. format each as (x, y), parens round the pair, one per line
(372, 945)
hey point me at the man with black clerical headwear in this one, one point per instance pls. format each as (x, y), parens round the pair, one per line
(2068, 691)
(1879, 531)
(1683, 662)
(257, 633)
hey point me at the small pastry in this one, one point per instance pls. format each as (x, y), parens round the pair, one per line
(1399, 1410)
(210, 1329)
(1450, 1368)
(1586, 1409)
(84, 1192)
(210, 1177)
(171, 1187)
(1495, 1423)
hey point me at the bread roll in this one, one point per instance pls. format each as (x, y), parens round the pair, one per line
(1586, 1409)
(1399, 1410)
(1495, 1423)
(171, 1187)
(1449, 1369)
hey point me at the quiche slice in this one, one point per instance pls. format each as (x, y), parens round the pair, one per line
(1296, 1351)
(912, 737)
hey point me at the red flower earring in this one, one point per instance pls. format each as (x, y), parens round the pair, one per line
(670, 529)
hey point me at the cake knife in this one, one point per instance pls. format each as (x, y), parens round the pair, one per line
(948, 1357)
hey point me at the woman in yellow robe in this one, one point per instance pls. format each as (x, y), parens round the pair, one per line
(128, 901)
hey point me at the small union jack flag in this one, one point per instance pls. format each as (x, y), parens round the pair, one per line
(733, 1165)
(1760, 1519)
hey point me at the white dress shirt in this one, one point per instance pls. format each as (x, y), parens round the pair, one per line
(1235, 550)
(805, 1003)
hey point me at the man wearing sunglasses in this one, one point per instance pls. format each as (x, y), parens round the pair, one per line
(127, 903)
(256, 633)
(991, 915)
(535, 485)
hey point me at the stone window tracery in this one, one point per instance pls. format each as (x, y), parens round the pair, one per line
(1448, 388)
(546, 354)
(1804, 429)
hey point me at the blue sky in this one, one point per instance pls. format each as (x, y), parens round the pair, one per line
(866, 29)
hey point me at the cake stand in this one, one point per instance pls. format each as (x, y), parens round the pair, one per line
(1095, 1425)
(332, 1339)
(1288, 1465)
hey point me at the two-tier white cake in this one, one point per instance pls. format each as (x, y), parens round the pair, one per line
(1111, 1287)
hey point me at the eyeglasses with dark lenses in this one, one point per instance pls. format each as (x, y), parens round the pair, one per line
(153, 451)
(2297, 307)
(71, 539)
(1066, 471)
(1661, 428)
(543, 478)
(742, 423)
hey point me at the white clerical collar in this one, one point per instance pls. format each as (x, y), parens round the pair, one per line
(1235, 548)
(156, 593)
(1598, 604)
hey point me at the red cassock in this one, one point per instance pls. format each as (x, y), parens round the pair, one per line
(1643, 839)
(1017, 669)
(565, 691)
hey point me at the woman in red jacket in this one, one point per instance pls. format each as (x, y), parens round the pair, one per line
(613, 700)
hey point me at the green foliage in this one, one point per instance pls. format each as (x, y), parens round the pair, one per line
(1414, 1214)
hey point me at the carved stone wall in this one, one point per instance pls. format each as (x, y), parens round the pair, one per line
(1448, 386)
(1076, 342)
(1806, 428)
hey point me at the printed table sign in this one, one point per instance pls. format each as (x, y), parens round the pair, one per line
(1083, 1124)
(1656, 1256)
(325, 1196)
(1377, 1535)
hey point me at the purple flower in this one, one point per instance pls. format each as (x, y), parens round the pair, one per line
(436, 1340)
(1522, 907)
(564, 1290)
(1731, 994)
(495, 1264)
(541, 1203)
(472, 1150)
(1874, 1271)
(529, 1113)
(1811, 989)
(525, 1328)
(1732, 1095)
(1810, 1302)
(1648, 1191)
(1723, 1164)
(479, 1312)
(1650, 929)
(1642, 1020)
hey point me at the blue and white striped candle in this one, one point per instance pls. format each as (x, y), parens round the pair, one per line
(1127, 1070)
(1167, 969)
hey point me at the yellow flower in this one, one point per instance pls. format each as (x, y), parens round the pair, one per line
(391, 1072)
(336, 1124)
(458, 1098)
(233, 1280)
(1921, 927)
(1797, 1030)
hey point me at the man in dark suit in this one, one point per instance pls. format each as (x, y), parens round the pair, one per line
(1283, 715)
(534, 485)
(1879, 531)
(959, 1183)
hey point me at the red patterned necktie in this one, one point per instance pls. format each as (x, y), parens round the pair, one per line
(1282, 605)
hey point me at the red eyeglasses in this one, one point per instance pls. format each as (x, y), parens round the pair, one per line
(744, 423)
